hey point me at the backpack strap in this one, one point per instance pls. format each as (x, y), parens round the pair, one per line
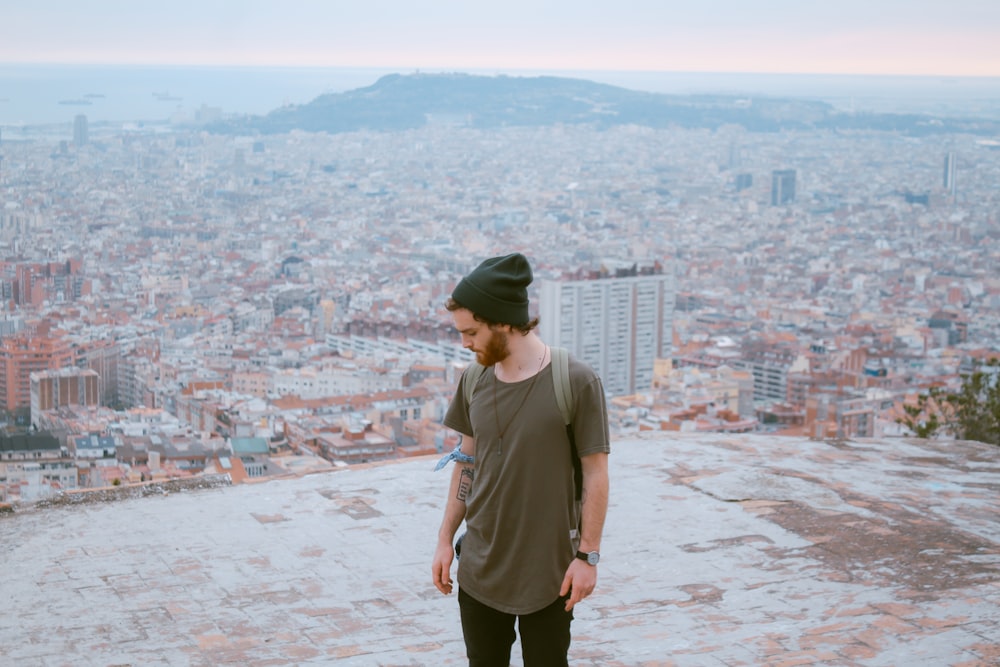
(564, 397)
(560, 377)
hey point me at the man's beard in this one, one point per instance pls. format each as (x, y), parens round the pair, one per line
(496, 349)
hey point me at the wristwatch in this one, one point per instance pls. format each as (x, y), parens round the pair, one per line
(592, 557)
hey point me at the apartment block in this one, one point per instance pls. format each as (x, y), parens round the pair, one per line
(66, 386)
(20, 357)
(618, 325)
(836, 416)
(771, 365)
(34, 466)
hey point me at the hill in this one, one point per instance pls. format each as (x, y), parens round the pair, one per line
(401, 102)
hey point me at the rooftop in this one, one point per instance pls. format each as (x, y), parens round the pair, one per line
(719, 550)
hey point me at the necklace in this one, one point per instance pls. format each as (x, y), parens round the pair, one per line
(524, 398)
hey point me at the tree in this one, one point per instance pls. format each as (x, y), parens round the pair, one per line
(976, 405)
(927, 418)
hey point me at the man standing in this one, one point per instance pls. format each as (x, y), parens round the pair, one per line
(532, 543)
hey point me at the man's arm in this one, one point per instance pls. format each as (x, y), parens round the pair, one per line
(581, 577)
(454, 513)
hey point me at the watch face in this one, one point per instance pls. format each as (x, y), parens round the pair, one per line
(593, 557)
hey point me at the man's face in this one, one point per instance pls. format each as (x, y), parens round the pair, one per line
(490, 345)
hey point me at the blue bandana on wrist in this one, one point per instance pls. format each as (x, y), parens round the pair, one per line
(456, 455)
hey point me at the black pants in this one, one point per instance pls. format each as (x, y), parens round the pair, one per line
(489, 634)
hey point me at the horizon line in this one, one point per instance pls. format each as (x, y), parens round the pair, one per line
(496, 71)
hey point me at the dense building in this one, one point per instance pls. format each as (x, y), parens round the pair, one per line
(184, 451)
(22, 355)
(33, 466)
(65, 386)
(356, 241)
(743, 182)
(103, 356)
(80, 130)
(952, 327)
(771, 365)
(17, 223)
(838, 416)
(782, 186)
(357, 443)
(35, 283)
(620, 324)
(138, 375)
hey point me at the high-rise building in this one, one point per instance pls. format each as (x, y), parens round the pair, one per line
(619, 323)
(782, 186)
(80, 130)
(102, 356)
(743, 182)
(950, 169)
(20, 356)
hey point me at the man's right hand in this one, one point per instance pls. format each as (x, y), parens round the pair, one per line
(441, 567)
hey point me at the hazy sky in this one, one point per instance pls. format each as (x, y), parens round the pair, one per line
(946, 37)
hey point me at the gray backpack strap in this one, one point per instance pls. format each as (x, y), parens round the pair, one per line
(564, 397)
(560, 378)
(471, 375)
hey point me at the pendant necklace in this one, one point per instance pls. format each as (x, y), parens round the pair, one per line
(524, 398)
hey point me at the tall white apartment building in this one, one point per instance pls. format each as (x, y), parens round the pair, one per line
(618, 325)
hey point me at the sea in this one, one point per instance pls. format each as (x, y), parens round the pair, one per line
(33, 95)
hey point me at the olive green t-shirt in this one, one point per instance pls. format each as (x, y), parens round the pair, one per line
(522, 517)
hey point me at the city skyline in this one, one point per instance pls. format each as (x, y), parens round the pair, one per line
(888, 38)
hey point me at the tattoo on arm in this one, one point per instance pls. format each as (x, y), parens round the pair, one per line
(465, 483)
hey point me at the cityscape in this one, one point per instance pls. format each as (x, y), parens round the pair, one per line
(228, 237)
(181, 303)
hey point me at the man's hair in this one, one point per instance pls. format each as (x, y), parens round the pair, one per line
(523, 329)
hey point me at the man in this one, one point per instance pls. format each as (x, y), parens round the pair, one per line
(530, 550)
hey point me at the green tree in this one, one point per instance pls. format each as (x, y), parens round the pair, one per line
(976, 405)
(928, 417)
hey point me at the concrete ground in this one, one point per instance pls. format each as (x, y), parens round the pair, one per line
(719, 550)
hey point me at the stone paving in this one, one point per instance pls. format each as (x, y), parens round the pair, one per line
(719, 550)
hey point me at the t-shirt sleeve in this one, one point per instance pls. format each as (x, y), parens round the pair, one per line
(457, 416)
(590, 415)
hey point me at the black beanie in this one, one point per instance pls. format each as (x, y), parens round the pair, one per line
(497, 290)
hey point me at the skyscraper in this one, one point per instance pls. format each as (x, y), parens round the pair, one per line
(950, 169)
(782, 186)
(80, 130)
(619, 324)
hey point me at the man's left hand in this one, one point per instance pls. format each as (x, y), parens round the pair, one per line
(579, 582)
